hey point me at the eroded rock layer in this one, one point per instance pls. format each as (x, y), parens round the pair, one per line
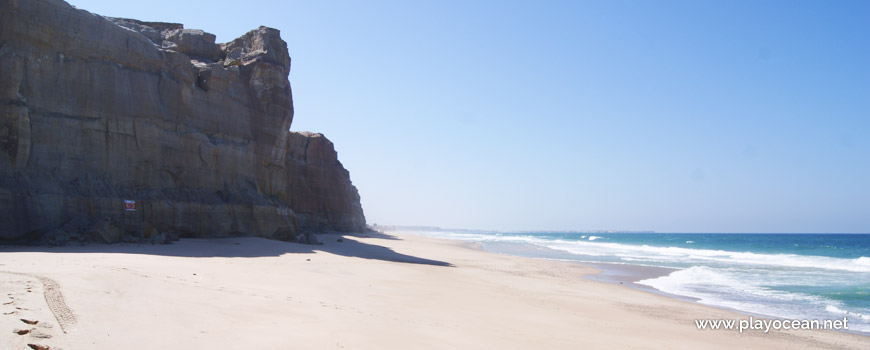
(95, 111)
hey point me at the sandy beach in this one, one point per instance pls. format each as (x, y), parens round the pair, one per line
(373, 291)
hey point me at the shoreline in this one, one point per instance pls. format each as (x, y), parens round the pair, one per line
(623, 275)
(618, 274)
(366, 291)
(626, 275)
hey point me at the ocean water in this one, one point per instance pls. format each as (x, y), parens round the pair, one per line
(790, 276)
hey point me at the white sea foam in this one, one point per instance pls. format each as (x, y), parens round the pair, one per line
(690, 255)
(731, 289)
(710, 284)
(675, 255)
(851, 314)
(736, 290)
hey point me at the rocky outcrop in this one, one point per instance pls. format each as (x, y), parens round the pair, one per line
(95, 111)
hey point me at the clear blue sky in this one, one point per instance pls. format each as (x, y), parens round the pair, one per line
(674, 116)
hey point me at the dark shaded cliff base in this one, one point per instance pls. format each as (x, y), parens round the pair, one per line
(95, 111)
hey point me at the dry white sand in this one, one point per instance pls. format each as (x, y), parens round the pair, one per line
(377, 292)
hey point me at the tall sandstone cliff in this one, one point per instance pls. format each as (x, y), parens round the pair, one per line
(96, 110)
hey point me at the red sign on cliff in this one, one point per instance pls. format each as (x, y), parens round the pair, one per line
(129, 205)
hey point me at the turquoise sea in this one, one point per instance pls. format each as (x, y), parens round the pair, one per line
(790, 276)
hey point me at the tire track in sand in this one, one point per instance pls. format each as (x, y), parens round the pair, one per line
(54, 298)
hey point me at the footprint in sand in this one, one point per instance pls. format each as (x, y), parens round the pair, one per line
(53, 297)
(39, 334)
(39, 331)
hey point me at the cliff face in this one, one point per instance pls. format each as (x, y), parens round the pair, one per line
(95, 111)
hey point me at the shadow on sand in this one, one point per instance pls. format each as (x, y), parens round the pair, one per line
(246, 247)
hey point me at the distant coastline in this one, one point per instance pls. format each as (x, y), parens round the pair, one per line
(392, 228)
